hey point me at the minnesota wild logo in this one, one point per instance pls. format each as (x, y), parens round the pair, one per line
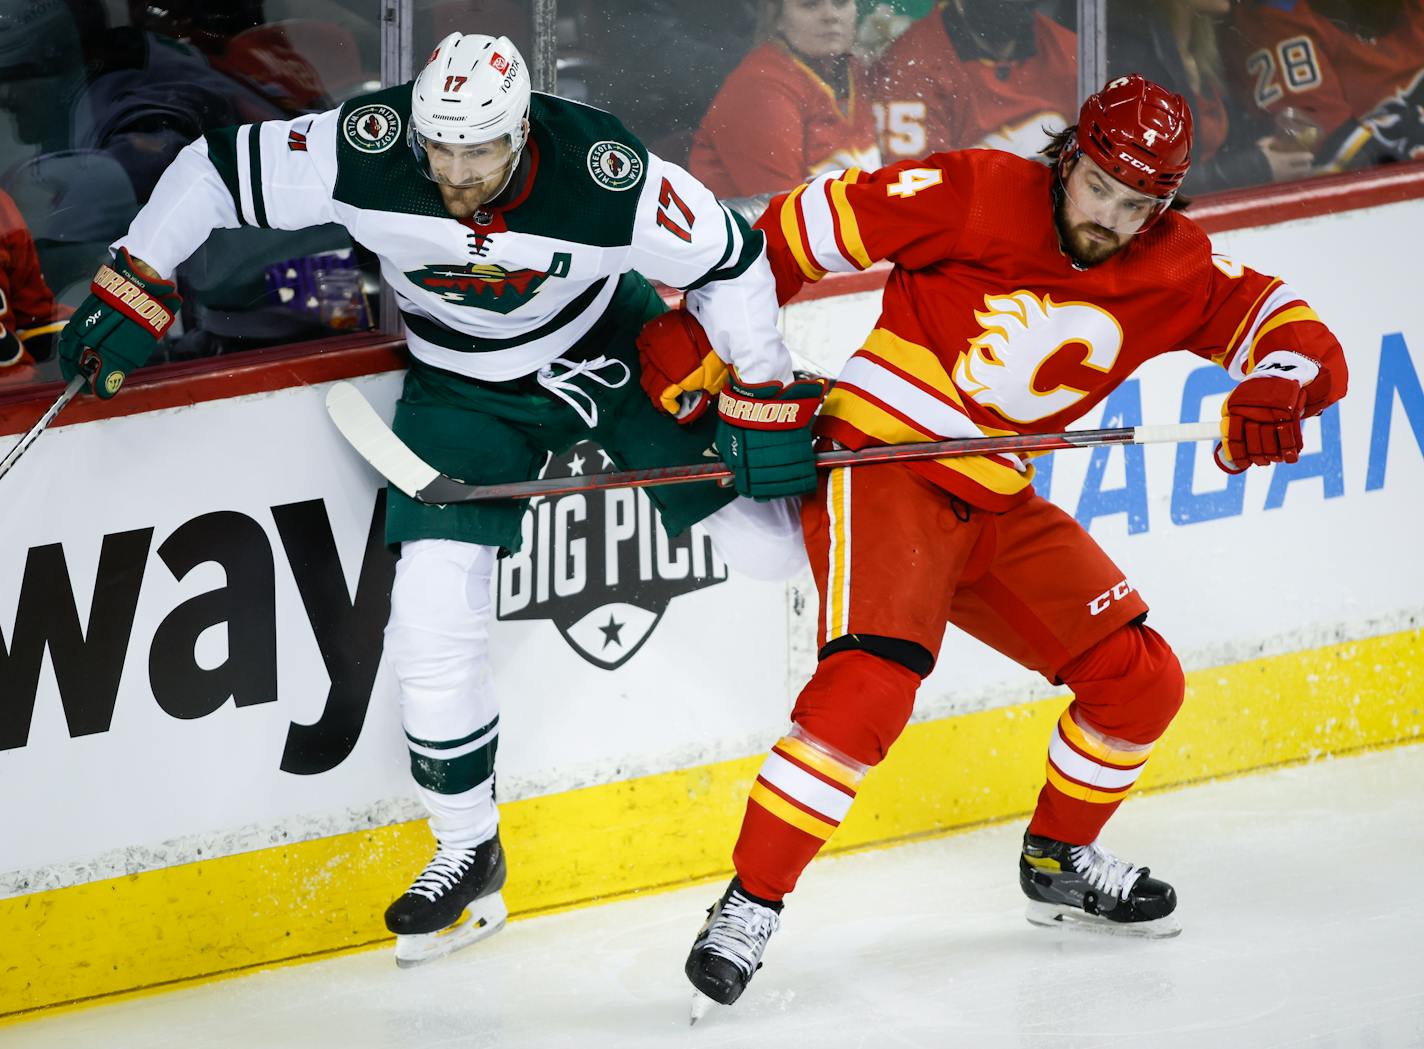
(372, 129)
(614, 166)
(488, 287)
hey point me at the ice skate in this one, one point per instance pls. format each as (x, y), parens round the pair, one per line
(728, 949)
(453, 903)
(1088, 887)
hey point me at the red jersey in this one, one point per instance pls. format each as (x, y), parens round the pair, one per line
(775, 123)
(929, 99)
(1364, 96)
(27, 307)
(988, 328)
(25, 299)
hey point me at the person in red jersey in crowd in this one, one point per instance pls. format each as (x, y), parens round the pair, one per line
(1178, 44)
(792, 109)
(976, 73)
(29, 316)
(1021, 295)
(1344, 77)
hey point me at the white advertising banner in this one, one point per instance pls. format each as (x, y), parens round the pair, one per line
(192, 603)
(191, 600)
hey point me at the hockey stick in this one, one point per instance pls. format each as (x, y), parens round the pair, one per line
(373, 439)
(32, 434)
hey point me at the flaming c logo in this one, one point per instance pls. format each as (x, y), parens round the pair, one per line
(1004, 366)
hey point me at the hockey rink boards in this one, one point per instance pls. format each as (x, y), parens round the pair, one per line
(187, 815)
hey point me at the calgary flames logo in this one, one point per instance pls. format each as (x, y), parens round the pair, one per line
(1004, 366)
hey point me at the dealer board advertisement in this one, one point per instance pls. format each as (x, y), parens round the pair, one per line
(191, 600)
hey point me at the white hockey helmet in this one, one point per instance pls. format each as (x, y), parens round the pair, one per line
(474, 92)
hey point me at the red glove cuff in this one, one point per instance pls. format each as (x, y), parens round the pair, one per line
(762, 413)
(129, 297)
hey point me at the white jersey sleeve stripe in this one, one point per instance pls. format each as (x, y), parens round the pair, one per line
(1280, 296)
(927, 412)
(820, 225)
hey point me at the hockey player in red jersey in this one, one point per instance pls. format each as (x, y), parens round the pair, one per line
(1346, 78)
(976, 73)
(1021, 295)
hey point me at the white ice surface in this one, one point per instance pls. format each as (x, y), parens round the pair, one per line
(1302, 905)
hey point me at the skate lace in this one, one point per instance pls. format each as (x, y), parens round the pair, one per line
(1104, 871)
(447, 868)
(740, 932)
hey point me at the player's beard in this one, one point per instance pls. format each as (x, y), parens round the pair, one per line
(1079, 242)
(463, 201)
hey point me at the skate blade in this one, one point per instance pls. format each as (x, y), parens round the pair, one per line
(700, 1004)
(1053, 916)
(481, 920)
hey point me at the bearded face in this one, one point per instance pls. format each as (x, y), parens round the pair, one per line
(1096, 215)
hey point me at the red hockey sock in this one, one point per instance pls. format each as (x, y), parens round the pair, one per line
(845, 719)
(1127, 689)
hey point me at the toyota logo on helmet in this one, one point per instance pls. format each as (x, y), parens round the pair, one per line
(1139, 133)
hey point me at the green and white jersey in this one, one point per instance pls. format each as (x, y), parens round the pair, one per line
(493, 301)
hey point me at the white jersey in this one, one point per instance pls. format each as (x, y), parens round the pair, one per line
(494, 300)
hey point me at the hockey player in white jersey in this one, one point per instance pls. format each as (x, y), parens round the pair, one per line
(510, 225)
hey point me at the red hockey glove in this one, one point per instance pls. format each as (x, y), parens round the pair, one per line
(1260, 423)
(677, 359)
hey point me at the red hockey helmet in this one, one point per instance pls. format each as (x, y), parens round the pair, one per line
(1139, 133)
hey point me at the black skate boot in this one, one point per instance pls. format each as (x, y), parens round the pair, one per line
(1087, 886)
(728, 949)
(453, 903)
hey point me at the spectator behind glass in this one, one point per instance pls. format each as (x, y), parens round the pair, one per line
(106, 111)
(29, 316)
(299, 64)
(792, 108)
(1176, 43)
(990, 73)
(1346, 79)
(656, 63)
(881, 21)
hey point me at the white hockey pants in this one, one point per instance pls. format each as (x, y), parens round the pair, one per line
(437, 643)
